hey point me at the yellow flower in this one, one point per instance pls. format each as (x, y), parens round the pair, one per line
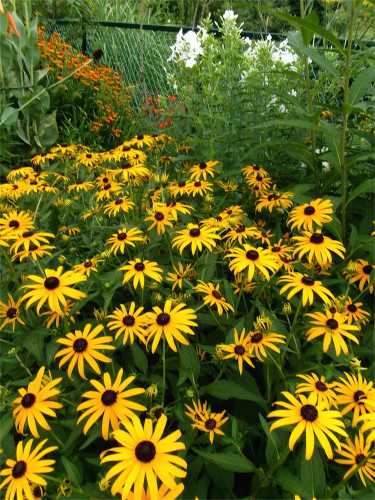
(239, 350)
(138, 269)
(197, 237)
(213, 297)
(354, 454)
(318, 247)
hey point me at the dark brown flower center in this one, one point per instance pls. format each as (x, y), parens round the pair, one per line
(118, 202)
(38, 492)
(367, 269)
(259, 178)
(316, 238)
(332, 310)
(275, 249)
(32, 248)
(358, 395)
(182, 184)
(240, 350)
(351, 308)
(308, 281)
(252, 255)
(51, 283)
(19, 469)
(163, 319)
(240, 229)
(105, 180)
(145, 451)
(125, 166)
(320, 386)
(106, 187)
(195, 232)
(170, 203)
(11, 312)
(255, 167)
(197, 184)
(28, 400)
(332, 324)
(140, 137)
(79, 182)
(122, 236)
(216, 294)
(158, 412)
(309, 210)
(109, 397)
(27, 234)
(80, 345)
(256, 338)
(203, 165)
(88, 155)
(128, 320)
(14, 223)
(159, 216)
(210, 424)
(88, 264)
(359, 458)
(139, 266)
(309, 413)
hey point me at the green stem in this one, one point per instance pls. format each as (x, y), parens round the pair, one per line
(291, 331)
(343, 169)
(255, 469)
(216, 320)
(23, 365)
(164, 372)
(271, 473)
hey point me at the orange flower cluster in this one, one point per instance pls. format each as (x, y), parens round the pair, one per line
(113, 96)
(161, 115)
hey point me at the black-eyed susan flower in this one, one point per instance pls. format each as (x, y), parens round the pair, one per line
(42, 158)
(211, 422)
(34, 252)
(275, 201)
(195, 413)
(143, 454)
(110, 402)
(354, 312)
(84, 346)
(239, 350)
(362, 274)
(140, 140)
(213, 297)
(170, 324)
(357, 394)
(280, 250)
(88, 159)
(252, 259)
(334, 327)
(137, 270)
(123, 204)
(131, 172)
(164, 493)
(159, 219)
(179, 188)
(240, 234)
(319, 386)
(122, 238)
(20, 171)
(26, 469)
(108, 190)
(53, 288)
(317, 247)
(298, 282)
(259, 180)
(10, 312)
(179, 274)
(251, 170)
(54, 317)
(228, 186)
(309, 417)
(354, 453)
(197, 237)
(34, 402)
(88, 266)
(199, 187)
(28, 238)
(203, 169)
(264, 235)
(316, 212)
(260, 341)
(244, 284)
(128, 323)
(173, 207)
(15, 223)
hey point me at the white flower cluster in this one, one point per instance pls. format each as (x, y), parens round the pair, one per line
(188, 47)
(278, 53)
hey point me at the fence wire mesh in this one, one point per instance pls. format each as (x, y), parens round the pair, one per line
(121, 51)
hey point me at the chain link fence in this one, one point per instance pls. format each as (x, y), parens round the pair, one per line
(120, 43)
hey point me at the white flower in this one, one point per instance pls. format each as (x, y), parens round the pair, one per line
(230, 15)
(187, 48)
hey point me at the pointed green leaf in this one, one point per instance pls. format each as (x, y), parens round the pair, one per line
(227, 461)
(367, 186)
(360, 85)
(71, 471)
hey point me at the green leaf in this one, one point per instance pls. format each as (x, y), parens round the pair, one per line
(305, 124)
(367, 186)
(140, 358)
(47, 129)
(9, 116)
(360, 85)
(33, 342)
(6, 424)
(227, 389)
(227, 461)
(189, 361)
(289, 482)
(72, 472)
(312, 475)
(51, 349)
(334, 227)
(221, 479)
